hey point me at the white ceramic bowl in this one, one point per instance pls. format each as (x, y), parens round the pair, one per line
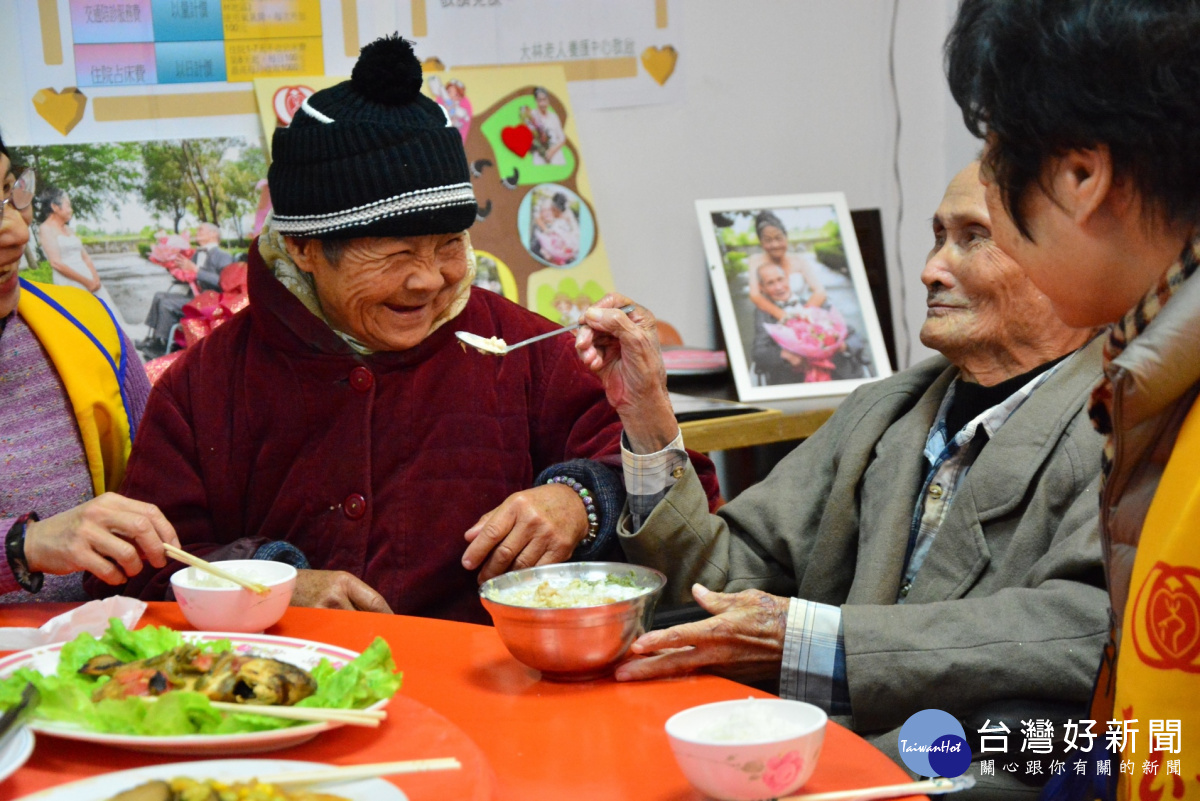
(759, 764)
(230, 607)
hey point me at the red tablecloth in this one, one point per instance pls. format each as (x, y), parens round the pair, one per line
(464, 696)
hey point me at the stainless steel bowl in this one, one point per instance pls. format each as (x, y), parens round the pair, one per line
(577, 643)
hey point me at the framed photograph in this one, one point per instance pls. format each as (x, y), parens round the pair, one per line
(792, 295)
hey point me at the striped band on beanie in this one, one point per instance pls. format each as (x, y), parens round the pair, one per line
(371, 156)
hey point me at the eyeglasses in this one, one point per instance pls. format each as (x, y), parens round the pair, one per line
(22, 192)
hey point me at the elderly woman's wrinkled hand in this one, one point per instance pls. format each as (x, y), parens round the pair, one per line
(743, 641)
(336, 589)
(108, 536)
(623, 351)
(538, 526)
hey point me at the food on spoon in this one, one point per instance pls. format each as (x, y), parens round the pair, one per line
(213, 790)
(561, 594)
(230, 677)
(493, 345)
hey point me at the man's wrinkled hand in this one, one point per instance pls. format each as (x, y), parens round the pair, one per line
(743, 641)
(336, 589)
(538, 526)
(622, 349)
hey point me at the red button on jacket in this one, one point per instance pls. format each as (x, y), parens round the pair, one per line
(355, 506)
(361, 379)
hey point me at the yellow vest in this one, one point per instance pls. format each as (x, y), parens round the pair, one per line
(84, 343)
(1158, 666)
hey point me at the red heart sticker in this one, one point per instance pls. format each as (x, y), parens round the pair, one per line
(518, 139)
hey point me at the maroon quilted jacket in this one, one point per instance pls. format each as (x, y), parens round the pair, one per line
(271, 428)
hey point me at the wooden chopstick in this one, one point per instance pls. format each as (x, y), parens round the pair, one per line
(208, 567)
(351, 717)
(928, 786)
(352, 773)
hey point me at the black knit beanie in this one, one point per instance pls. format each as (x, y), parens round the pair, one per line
(371, 156)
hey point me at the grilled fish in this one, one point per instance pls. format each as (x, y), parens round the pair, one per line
(230, 677)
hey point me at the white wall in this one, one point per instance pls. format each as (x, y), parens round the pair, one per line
(783, 96)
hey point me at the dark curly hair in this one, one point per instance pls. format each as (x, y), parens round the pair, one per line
(765, 218)
(47, 199)
(1040, 78)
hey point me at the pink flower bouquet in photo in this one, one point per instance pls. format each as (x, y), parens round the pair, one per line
(166, 253)
(816, 335)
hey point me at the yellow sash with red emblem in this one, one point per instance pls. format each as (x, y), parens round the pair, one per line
(1158, 667)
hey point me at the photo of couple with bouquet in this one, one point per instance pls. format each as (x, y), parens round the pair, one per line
(797, 311)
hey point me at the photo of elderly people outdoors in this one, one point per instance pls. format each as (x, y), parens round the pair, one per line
(792, 294)
(150, 228)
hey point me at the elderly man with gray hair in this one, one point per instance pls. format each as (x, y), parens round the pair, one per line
(167, 307)
(934, 545)
(209, 259)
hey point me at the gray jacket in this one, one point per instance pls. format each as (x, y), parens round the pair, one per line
(1009, 605)
(209, 274)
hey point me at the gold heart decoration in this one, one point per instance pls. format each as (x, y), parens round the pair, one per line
(660, 62)
(63, 110)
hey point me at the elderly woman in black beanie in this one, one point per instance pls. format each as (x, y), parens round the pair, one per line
(353, 436)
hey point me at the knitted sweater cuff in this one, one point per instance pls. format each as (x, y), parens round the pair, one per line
(608, 491)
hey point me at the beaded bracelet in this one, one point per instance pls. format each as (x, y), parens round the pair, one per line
(589, 506)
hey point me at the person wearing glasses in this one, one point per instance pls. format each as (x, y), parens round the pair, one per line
(71, 398)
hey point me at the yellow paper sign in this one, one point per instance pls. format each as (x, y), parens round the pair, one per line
(246, 60)
(271, 19)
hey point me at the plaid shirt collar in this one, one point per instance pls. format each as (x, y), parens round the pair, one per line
(939, 447)
(1135, 321)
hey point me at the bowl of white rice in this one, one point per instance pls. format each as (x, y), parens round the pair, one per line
(572, 621)
(750, 749)
(215, 604)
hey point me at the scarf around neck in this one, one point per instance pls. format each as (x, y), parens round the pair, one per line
(1135, 321)
(274, 254)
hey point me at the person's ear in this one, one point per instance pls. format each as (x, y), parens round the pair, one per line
(302, 252)
(1083, 184)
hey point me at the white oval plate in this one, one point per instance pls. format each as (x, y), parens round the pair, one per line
(302, 653)
(100, 787)
(16, 752)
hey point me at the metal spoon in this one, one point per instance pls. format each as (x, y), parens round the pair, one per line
(494, 346)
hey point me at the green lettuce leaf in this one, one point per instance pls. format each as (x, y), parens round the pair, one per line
(67, 696)
(370, 677)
